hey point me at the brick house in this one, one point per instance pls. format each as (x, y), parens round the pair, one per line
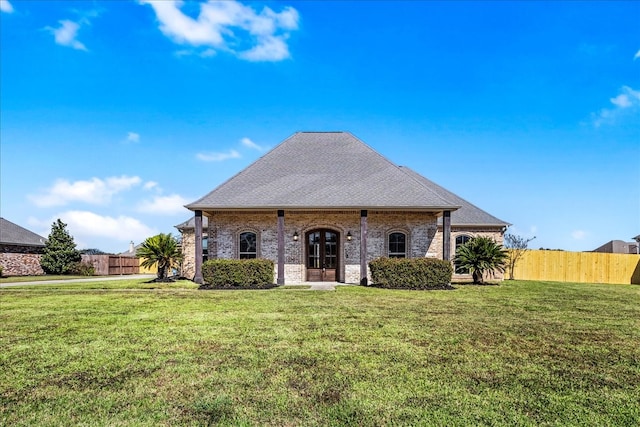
(20, 250)
(321, 205)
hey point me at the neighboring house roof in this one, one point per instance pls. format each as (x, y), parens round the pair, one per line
(132, 250)
(618, 247)
(13, 234)
(468, 214)
(323, 170)
(190, 224)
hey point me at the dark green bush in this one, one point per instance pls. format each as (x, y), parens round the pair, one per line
(233, 273)
(413, 273)
(82, 269)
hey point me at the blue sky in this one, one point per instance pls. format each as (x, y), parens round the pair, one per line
(115, 114)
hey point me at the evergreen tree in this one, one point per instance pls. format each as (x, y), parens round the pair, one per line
(60, 253)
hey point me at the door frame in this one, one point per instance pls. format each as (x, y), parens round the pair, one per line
(323, 229)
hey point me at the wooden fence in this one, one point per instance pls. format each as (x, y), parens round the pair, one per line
(110, 265)
(581, 267)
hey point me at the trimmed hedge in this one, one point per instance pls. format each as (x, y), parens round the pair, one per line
(411, 273)
(233, 273)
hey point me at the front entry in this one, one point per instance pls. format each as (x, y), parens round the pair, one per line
(322, 256)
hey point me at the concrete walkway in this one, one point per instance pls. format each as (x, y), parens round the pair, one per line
(318, 286)
(96, 279)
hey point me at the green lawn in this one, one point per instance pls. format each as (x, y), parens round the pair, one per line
(522, 353)
(18, 279)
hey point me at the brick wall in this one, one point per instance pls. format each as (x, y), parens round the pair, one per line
(225, 228)
(495, 233)
(423, 238)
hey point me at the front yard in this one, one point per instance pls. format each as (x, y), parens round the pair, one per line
(522, 353)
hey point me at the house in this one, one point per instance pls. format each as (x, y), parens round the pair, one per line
(618, 247)
(321, 205)
(20, 250)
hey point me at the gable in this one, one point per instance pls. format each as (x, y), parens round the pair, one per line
(323, 170)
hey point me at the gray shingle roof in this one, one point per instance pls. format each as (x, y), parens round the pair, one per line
(13, 234)
(468, 214)
(331, 170)
(190, 224)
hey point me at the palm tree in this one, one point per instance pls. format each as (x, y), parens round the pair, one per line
(479, 255)
(162, 250)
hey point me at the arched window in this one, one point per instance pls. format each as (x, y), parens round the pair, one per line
(461, 240)
(248, 245)
(397, 245)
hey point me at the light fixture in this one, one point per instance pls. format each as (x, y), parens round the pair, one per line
(295, 236)
(349, 236)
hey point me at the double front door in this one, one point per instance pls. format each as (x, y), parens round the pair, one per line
(322, 255)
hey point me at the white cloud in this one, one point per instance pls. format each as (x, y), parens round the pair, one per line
(164, 205)
(89, 224)
(66, 34)
(637, 55)
(218, 157)
(133, 137)
(579, 234)
(86, 227)
(150, 185)
(94, 191)
(628, 100)
(5, 6)
(271, 48)
(250, 144)
(228, 26)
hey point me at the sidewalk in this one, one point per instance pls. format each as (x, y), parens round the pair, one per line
(320, 286)
(96, 279)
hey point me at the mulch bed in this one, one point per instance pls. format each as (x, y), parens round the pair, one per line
(408, 288)
(161, 281)
(207, 287)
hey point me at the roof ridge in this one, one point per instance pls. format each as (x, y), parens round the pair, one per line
(240, 172)
(323, 169)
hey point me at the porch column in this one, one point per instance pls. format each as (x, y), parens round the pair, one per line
(280, 280)
(198, 231)
(363, 248)
(446, 235)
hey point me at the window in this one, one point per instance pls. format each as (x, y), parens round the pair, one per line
(397, 245)
(205, 248)
(461, 240)
(248, 248)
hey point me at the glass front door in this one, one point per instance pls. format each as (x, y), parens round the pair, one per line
(322, 256)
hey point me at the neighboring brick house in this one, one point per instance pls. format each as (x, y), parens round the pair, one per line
(321, 205)
(20, 250)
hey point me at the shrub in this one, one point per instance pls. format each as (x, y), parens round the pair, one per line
(0, 271)
(232, 273)
(83, 269)
(414, 273)
(481, 255)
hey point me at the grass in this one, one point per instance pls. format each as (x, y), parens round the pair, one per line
(522, 353)
(22, 279)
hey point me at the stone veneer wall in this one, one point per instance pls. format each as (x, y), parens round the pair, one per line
(20, 260)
